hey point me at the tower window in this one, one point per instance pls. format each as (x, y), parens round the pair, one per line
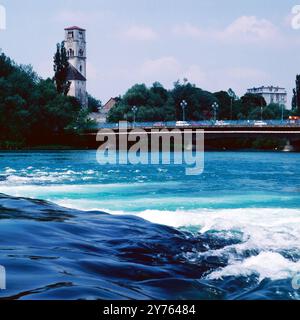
(71, 53)
(70, 34)
(80, 52)
(80, 68)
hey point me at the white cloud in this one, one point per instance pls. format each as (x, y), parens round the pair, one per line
(245, 29)
(195, 74)
(188, 30)
(238, 78)
(242, 73)
(139, 33)
(242, 78)
(160, 66)
(250, 29)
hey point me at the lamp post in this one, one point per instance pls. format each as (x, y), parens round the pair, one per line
(183, 105)
(134, 110)
(215, 108)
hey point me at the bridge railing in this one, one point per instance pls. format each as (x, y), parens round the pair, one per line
(204, 123)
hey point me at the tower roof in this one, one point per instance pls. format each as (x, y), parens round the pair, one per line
(75, 28)
(74, 74)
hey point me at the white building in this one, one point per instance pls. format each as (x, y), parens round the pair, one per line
(75, 43)
(271, 94)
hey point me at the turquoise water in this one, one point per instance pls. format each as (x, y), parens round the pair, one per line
(249, 202)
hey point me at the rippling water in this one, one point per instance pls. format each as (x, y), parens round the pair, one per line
(149, 232)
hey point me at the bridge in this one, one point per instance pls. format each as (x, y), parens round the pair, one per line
(218, 134)
(204, 124)
(284, 128)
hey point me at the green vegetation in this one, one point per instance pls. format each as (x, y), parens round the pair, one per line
(94, 105)
(296, 97)
(37, 112)
(33, 110)
(158, 104)
(61, 66)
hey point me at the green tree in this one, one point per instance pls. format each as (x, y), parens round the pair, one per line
(249, 103)
(272, 111)
(296, 97)
(199, 102)
(225, 105)
(61, 66)
(154, 104)
(31, 109)
(94, 105)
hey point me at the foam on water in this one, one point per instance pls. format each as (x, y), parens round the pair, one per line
(267, 265)
(271, 232)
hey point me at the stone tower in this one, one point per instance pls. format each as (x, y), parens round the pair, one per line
(75, 43)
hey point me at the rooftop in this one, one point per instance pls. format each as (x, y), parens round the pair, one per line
(74, 74)
(75, 28)
(268, 88)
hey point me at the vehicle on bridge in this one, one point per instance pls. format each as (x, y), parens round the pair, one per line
(260, 123)
(294, 119)
(222, 123)
(182, 124)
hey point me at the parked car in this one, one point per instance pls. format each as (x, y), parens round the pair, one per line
(260, 123)
(182, 124)
(222, 123)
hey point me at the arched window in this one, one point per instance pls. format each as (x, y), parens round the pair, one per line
(80, 68)
(71, 53)
(80, 52)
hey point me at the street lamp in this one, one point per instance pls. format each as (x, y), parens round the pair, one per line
(183, 105)
(215, 108)
(134, 110)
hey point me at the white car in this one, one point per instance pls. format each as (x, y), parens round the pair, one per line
(222, 123)
(260, 123)
(182, 124)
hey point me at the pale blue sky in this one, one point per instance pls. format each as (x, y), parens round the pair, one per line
(215, 44)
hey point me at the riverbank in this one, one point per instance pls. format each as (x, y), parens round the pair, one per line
(77, 142)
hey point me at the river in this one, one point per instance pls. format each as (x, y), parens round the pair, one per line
(74, 229)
